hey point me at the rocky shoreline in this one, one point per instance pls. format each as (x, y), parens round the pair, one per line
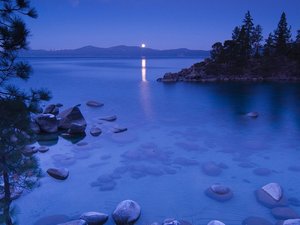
(197, 73)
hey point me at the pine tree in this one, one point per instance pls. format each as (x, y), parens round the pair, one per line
(298, 37)
(282, 37)
(249, 30)
(269, 46)
(257, 38)
(236, 33)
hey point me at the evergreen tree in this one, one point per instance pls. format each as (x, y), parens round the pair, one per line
(298, 37)
(257, 38)
(282, 37)
(17, 170)
(269, 46)
(248, 36)
(236, 33)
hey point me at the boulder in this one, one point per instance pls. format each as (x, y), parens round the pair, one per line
(171, 221)
(211, 169)
(254, 220)
(127, 212)
(52, 109)
(284, 213)
(72, 119)
(95, 131)
(265, 199)
(215, 222)
(60, 174)
(77, 128)
(47, 122)
(35, 128)
(291, 222)
(119, 130)
(75, 222)
(274, 190)
(109, 118)
(43, 149)
(94, 104)
(252, 114)
(219, 192)
(94, 218)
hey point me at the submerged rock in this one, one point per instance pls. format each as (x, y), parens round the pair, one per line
(283, 213)
(94, 104)
(127, 212)
(171, 221)
(274, 190)
(219, 192)
(95, 131)
(60, 174)
(211, 169)
(252, 114)
(254, 220)
(43, 149)
(48, 123)
(109, 118)
(262, 172)
(75, 222)
(94, 218)
(119, 130)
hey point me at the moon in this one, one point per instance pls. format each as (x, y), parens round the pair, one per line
(143, 45)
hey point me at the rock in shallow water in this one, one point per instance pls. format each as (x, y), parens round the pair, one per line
(215, 222)
(60, 174)
(43, 149)
(93, 103)
(75, 222)
(266, 200)
(252, 114)
(211, 169)
(48, 123)
(219, 192)
(283, 213)
(262, 172)
(274, 190)
(254, 220)
(119, 130)
(71, 116)
(109, 118)
(291, 222)
(94, 218)
(95, 131)
(127, 212)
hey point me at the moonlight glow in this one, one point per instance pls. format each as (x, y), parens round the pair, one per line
(143, 46)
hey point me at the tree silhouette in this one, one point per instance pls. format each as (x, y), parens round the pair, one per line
(18, 171)
(282, 36)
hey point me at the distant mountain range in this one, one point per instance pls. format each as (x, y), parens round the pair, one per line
(121, 51)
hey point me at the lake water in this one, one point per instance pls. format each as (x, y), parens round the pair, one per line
(173, 131)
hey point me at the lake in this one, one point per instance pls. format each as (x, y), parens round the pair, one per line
(175, 131)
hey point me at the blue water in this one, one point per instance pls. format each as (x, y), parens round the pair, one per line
(173, 129)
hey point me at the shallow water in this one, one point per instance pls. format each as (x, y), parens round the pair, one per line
(173, 131)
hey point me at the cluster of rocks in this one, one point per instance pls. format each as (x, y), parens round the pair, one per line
(69, 121)
(271, 196)
(127, 212)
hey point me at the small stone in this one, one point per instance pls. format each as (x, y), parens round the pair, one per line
(43, 149)
(215, 222)
(265, 199)
(75, 222)
(60, 174)
(211, 169)
(119, 130)
(109, 118)
(94, 218)
(29, 150)
(219, 192)
(274, 190)
(94, 104)
(252, 114)
(95, 131)
(171, 221)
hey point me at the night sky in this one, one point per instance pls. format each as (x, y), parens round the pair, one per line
(162, 24)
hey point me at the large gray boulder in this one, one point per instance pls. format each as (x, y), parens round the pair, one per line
(274, 190)
(127, 212)
(48, 123)
(94, 218)
(291, 222)
(72, 120)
